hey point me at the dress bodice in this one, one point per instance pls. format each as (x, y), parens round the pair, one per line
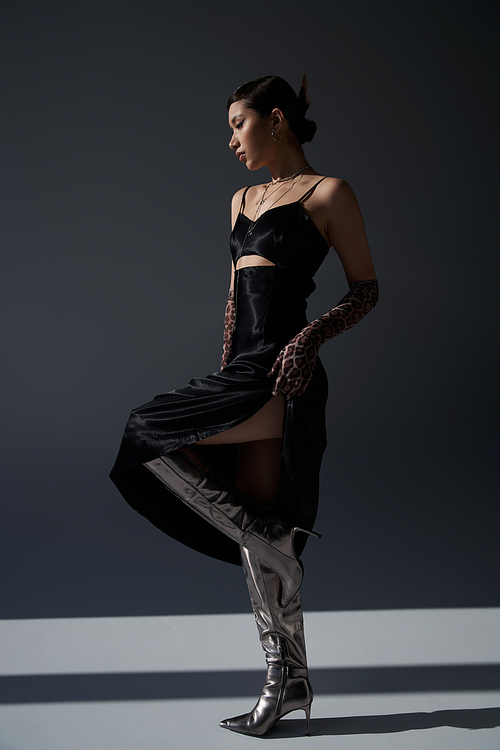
(284, 235)
(271, 300)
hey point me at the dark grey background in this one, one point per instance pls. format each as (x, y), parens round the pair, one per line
(115, 268)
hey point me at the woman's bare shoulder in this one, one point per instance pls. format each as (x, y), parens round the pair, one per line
(251, 189)
(238, 196)
(252, 192)
(237, 199)
(331, 186)
(335, 192)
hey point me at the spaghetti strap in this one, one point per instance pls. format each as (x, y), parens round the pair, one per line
(242, 204)
(308, 192)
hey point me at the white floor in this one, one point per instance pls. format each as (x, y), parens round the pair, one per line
(411, 679)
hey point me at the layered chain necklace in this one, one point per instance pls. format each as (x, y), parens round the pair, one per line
(265, 197)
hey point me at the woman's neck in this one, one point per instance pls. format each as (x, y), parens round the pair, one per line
(286, 163)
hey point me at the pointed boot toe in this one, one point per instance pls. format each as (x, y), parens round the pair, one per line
(237, 724)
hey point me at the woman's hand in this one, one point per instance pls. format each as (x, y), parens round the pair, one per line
(295, 365)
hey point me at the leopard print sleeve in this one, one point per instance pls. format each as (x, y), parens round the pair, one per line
(229, 320)
(295, 364)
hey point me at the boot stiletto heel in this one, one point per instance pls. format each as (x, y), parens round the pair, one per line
(305, 531)
(307, 711)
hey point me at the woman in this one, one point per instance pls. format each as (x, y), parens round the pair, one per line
(229, 464)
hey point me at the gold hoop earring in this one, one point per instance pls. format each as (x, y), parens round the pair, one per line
(278, 139)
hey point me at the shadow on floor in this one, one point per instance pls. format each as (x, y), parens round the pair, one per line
(469, 718)
(185, 685)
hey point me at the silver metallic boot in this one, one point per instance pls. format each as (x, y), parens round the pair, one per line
(281, 632)
(228, 510)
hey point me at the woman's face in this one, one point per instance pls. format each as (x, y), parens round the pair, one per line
(251, 139)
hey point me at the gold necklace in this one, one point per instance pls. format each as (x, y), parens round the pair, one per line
(258, 214)
(279, 182)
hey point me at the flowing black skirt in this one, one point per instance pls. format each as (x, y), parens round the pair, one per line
(217, 402)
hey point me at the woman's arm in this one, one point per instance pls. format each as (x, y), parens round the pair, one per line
(229, 320)
(230, 313)
(345, 230)
(344, 227)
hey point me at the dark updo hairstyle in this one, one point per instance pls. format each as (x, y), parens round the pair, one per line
(269, 92)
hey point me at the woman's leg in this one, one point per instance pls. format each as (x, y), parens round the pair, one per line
(265, 424)
(258, 469)
(259, 441)
(224, 505)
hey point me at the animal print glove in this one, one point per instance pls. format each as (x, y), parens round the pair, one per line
(296, 361)
(229, 319)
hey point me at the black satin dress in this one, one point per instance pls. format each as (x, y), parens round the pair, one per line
(271, 306)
